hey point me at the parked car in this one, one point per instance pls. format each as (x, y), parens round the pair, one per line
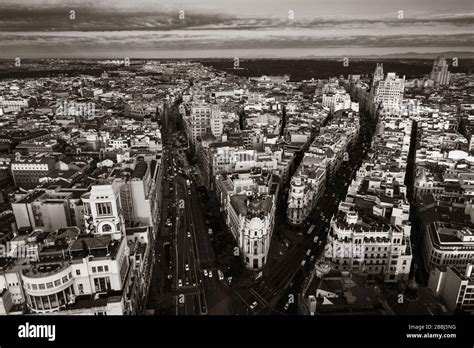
(253, 305)
(180, 283)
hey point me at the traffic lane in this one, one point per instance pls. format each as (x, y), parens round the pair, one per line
(249, 303)
(184, 247)
(201, 230)
(209, 286)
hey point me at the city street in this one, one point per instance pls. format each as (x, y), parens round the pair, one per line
(190, 270)
(270, 289)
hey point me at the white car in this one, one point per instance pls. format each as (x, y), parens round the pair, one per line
(186, 267)
(205, 272)
(189, 234)
(210, 274)
(287, 305)
(180, 283)
(253, 305)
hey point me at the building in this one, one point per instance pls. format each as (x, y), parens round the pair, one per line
(455, 288)
(103, 211)
(48, 210)
(448, 237)
(27, 171)
(388, 92)
(306, 188)
(440, 73)
(249, 202)
(327, 291)
(366, 243)
(198, 122)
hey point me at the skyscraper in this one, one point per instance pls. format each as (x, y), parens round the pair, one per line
(440, 73)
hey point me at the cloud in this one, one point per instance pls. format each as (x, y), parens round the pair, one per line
(44, 27)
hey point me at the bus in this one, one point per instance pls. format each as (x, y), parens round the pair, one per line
(311, 229)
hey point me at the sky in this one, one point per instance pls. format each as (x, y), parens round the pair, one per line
(232, 28)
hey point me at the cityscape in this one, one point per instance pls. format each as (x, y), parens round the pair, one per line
(260, 184)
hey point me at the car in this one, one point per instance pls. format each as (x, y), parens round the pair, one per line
(287, 305)
(303, 263)
(333, 195)
(189, 234)
(186, 267)
(210, 274)
(320, 242)
(253, 305)
(180, 283)
(311, 258)
(205, 272)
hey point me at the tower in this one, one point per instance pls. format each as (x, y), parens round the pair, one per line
(378, 74)
(103, 211)
(440, 73)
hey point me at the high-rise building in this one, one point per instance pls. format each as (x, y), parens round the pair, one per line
(198, 123)
(440, 73)
(388, 92)
(378, 74)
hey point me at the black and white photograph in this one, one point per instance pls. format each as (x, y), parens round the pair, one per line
(213, 167)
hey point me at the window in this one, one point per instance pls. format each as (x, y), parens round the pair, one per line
(87, 209)
(57, 282)
(65, 279)
(102, 284)
(94, 270)
(34, 286)
(100, 269)
(81, 288)
(106, 268)
(78, 272)
(104, 208)
(41, 286)
(106, 228)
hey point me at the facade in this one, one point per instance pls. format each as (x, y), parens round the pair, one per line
(366, 243)
(198, 123)
(456, 288)
(306, 188)
(388, 92)
(249, 204)
(102, 211)
(447, 243)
